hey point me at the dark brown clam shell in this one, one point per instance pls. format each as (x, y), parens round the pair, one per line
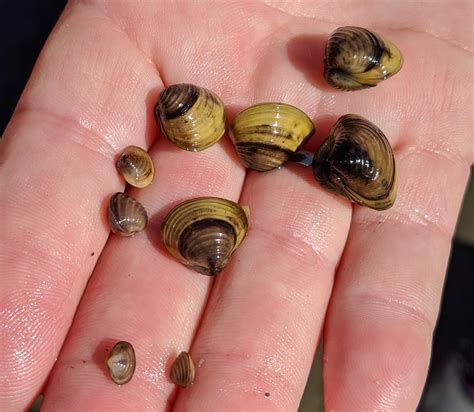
(126, 215)
(357, 161)
(183, 371)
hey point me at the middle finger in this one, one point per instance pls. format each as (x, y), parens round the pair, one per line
(137, 293)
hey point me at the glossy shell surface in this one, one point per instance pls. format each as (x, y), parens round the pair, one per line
(203, 233)
(266, 135)
(126, 215)
(357, 58)
(183, 371)
(121, 362)
(136, 167)
(191, 117)
(356, 161)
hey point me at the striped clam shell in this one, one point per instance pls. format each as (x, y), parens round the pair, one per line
(357, 58)
(121, 362)
(183, 371)
(267, 134)
(203, 233)
(126, 215)
(136, 166)
(191, 117)
(357, 161)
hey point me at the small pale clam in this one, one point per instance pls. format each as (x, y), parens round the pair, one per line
(126, 215)
(121, 362)
(357, 161)
(183, 371)
(357, 58)
(203, 233)
(267, 134)
(136, 166)
(191, 117)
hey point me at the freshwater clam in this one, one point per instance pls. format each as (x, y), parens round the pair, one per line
(136, 166)
(121, 362)
(191, 117)
(203, 233)
(357, 58)
(183, 371)
(356, 161)
(267, 134)
(127, 216)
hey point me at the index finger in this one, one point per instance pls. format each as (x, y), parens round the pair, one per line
(86, 99)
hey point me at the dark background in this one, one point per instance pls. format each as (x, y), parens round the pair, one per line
(24, 27)
(24, 30)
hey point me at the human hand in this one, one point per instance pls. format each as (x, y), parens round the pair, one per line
(310, 259)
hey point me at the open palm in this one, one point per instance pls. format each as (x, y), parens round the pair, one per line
(312, 264)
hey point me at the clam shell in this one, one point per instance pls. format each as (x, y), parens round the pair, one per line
(121, 362)
(183, 371)
(191, 117)
(356, 161)
(357, 58)
(203, 233)
(136, 167)
(126, 215)
(267, 134)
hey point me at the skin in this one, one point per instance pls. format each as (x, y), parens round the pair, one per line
(312, 266)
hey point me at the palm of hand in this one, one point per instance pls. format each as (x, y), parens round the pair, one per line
(92, 94)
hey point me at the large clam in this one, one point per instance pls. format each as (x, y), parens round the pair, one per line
(191, 117)
(203, 233)
(266, 135)
(356, 58)
(355, 161)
